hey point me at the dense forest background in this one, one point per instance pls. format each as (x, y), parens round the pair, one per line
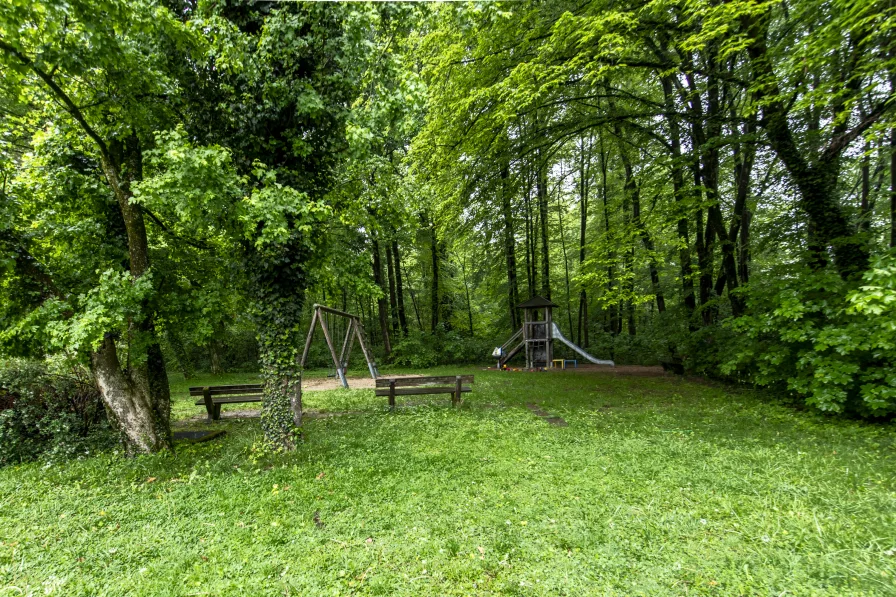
(707, 181)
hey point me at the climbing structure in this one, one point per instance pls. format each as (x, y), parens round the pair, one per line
(332, 321)
(537, 336)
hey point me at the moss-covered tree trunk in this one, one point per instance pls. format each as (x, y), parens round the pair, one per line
(278, 277)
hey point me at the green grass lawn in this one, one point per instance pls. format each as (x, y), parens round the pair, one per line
(655, 487)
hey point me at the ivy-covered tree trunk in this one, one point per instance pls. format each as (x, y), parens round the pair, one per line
(815, 173)
(278, 277)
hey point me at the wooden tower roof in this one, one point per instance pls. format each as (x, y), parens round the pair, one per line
(536, 302)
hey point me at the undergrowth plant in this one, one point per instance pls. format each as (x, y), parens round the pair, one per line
(824, 339)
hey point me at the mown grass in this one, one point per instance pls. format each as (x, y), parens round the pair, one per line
(656, 487)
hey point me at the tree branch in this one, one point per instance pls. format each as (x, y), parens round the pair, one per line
(70, 105)
(167, 230)
(842, 141)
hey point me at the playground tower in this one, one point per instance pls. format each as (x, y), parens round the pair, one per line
(537, 331)
(537, 336)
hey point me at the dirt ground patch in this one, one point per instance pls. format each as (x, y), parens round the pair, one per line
(355, 383)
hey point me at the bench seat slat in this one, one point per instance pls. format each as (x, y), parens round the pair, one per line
(233, 400)
(383, 382)
(217, 390)
(415, 391)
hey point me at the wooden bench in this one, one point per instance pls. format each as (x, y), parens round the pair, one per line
(412, 386)
(214, 396)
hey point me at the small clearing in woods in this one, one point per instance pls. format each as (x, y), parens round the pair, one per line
(655, 486)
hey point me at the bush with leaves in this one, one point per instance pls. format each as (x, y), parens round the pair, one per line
(417, 351)
(421, 350)
(831, 342)
(49, 409)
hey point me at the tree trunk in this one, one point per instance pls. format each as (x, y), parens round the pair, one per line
(278, 279)
(864, 208)
(584, 175)
(614, 314)
(142, 420)
(513, 293)
(435, 305)
(381, 300)
(463, 267)
(743, 253)
(531, 242)
(893, 188)
(709, 172)
(140, 396)
(705, 242)
(214, 357)
(415, 304)
(215, 346)
(542, 192)
(446, 302)
(739, 231)
(393, 302)
(180, 353)
(565, 261)
(399, 289)
(815, 179)
(684, 244)
(120, 397)
(633, 192)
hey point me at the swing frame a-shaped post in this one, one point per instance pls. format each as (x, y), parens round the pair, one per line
(354, 330)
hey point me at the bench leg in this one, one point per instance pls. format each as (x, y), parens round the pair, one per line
(217, 413)
(209, 405)
(392, 394)
(455, 398)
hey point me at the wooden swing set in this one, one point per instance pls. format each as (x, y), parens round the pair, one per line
(334, 319)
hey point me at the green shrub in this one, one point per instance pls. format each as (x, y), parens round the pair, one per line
(417, 351)
(831, 342)
(421, 350)
(49, 410)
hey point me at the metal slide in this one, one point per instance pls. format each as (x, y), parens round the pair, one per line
(558, 335)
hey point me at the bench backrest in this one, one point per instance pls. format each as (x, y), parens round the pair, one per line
(383, 382)
(236, 390)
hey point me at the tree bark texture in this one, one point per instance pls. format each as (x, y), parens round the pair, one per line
(584, 178)
(381, 300)
(435, 306)
(689, 298)
(393, 301)
(399, 289)
(513, 293)
(542, 192)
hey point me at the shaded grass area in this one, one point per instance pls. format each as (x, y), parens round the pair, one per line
(655, 487)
